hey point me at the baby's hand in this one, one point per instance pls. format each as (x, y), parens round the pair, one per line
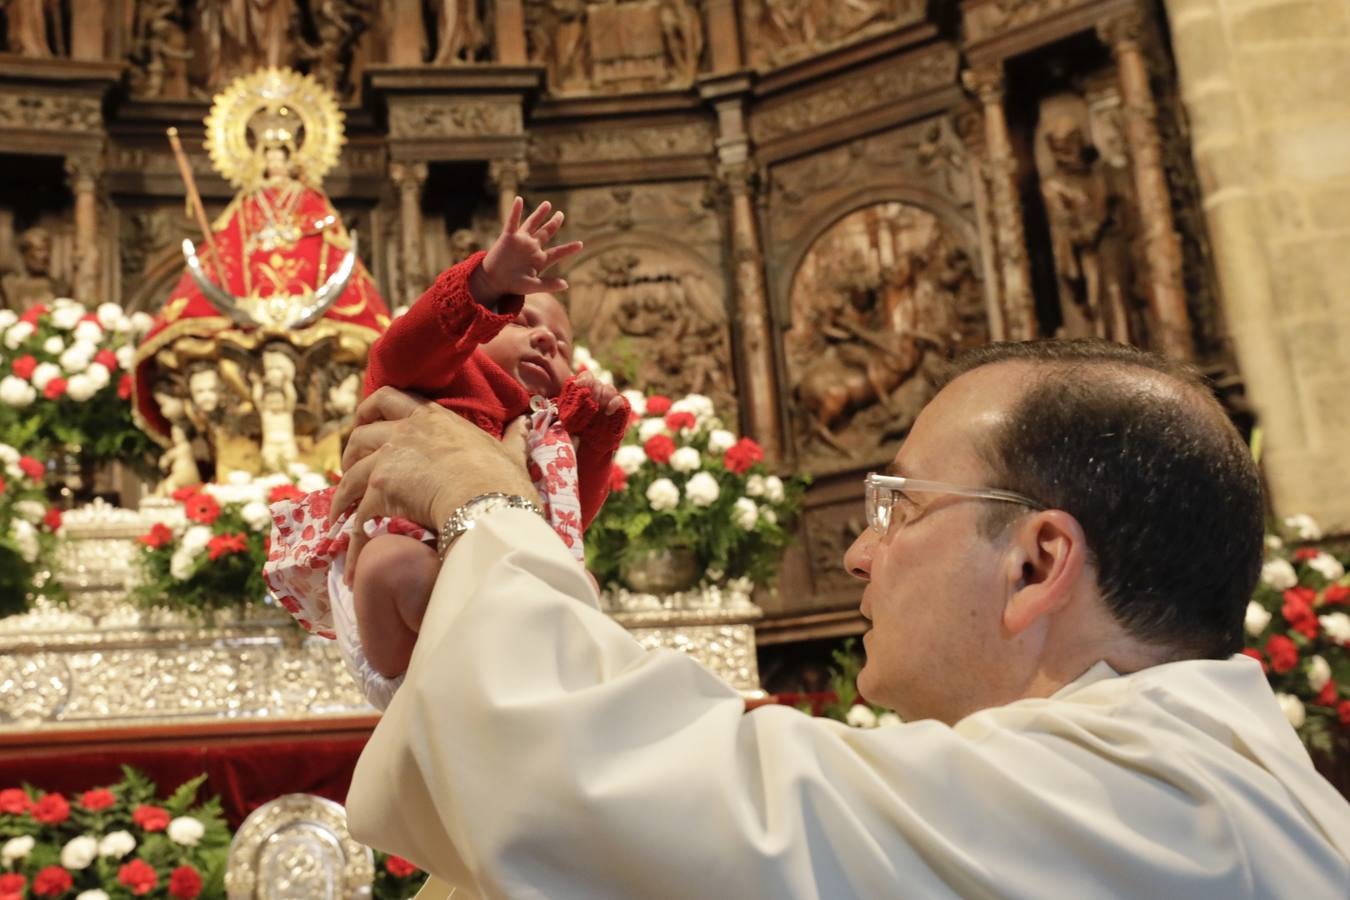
(606, 396)
(518, 258)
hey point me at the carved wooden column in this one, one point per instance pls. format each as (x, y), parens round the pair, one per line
(724, 40)
(86, 29)
(509, 39)
(1019, 305)
(409, 177)
(1166, 293)
(84, 173)
(508, 175)
(406, 38)
(968, 124)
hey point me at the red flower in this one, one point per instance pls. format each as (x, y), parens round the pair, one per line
(1282, 652)
(1327, 695)
(1298, 611)
(618, 478)
(159, 535)
(184, 494)
(1256, 655)
(185, 883)
(659, 448)
(1305, 554)
(658, 405)
(2, 484)
(53, 518)
(107, 358)
(1343, 711)
(151, 818)
(742, 455)
(33, 313)
(14, 801)
(284, 492)
(124, 387)
(138, 875)
(31, 467)
(677, 420)
(399, 867)
(222, 544)
(202, 508)
(51, 809)
(24, 366)
(99, 798)
(52, 881)
(11, 884)
(1337, 593)
(54, 389)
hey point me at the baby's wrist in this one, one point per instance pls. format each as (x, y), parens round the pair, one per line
(483, 289)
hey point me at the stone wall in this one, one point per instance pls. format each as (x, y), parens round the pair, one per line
(1264, 83)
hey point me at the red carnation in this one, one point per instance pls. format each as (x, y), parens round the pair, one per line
(659, 448)
(53, 518)
(1298, 611)
(106, 358)
(138, 875)
(51, 809)
(12, 884)
(33, 313)
(54, 389)
(658, 405)
(742, 455)
(1304, 554)
(98, 798)
(124, 387)
(202, 508)
(1256, 655)
(183, 494)
(24, 366)
(1337, 593)
(1282, 652)
(618, 478)
(284, 492)
(31, 467)
(14, 801)
(399, 867)
(185, 883)
(52, 881)
(222, 544)
(2, 484)
(159, 535)
(677, 420)
(1343, 711)
(1327, 695)
(151, 818)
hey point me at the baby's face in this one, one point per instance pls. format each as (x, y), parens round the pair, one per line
(536, 349)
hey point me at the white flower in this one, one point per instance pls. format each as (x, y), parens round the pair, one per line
(720, 441)
(745, 513)
(636, 402)
(1292, 708)
(81, 387)
(89, 331)
(94, 894)
(7, 318)
(31, 510)
(630, 458)
(99, 374)
(1279, 574)
(116, 844)
(16, 848)
(887, 719)
(1304, 527)
(17, 333)
(181, 563)
(141, 322)
(44, 373)
(76, 358)
(860, 716)
(768, 515)
(1319, 673)
(67, 315)
(257, 515)
(686, 459)
(186, 830)
(122, 326)
(196, 538)
(650, 428)
(662, 494)
(239, 477)
(25, 537)
(1329, 566)
(1273, 542)
(311, 482)
(54, 345)
(79, 852)
(1337, 626)
(1257, 618)
(699, 405)
(16, 392)
(754, 486)
(773, 489)
(109, 314)
(126, 355)
(702, 489)
(296, 469)
(8, 454)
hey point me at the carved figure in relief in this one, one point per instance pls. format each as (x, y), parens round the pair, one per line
(161, 51)
(34, 28)
(178, 463)
(338, 24)
(274, 397)
(34, 283)
(460, 35)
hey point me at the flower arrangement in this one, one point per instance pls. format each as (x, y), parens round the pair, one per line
(209, 554)
(844, 703)
(1298, 627)
(395, 877)
(28, 529)
(65, 380)
(115, 841)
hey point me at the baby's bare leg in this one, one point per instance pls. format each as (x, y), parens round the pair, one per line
(392, 586)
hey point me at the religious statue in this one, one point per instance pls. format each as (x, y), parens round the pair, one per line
(30, 23)
(606, 45)
(35, 283)
(242, 35)
(161, 51)
(178, 463)
(460, 36)
(275, 294)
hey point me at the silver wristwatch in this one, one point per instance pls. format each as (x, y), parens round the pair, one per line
(464, 518)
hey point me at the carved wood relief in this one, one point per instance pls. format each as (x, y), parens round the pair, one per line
(778, 32)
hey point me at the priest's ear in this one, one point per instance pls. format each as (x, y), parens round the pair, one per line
(1047, 558)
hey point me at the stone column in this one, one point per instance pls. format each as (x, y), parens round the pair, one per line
(507, 175)
(724, 39)
(1019, 305)
(1166, 293)
(84, 172)
(408, 178)
(87, 25)
(407, 42)
(509, 39)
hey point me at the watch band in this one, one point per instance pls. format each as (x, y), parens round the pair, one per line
(464, 518)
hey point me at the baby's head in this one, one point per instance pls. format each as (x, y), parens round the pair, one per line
(536, 349)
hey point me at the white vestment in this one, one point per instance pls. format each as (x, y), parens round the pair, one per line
(536, 750)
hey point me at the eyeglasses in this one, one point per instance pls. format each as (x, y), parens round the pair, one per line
(886, 500)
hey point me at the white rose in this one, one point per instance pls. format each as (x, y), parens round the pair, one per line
(769, 516)
(126, 355)
(773, 489)
(1304, 526)
(7, 318)
(94, 894)
(257, 515)
(720, 441)
(630, 458)
(79, 852)
(702, 489)
(116, 844)
(92, 332)
(663, 495)
(98, 373)
(16, 848)
(54, 345)
(26, 537)
(650, 428)
(887, 719)
(1337, 626)
(636, 402)
(745, 513)
(1279, 574)
(1319, 673)
(30, 510)
(17, 333)
(76, 358)
(1292, 708)
(67, 315)
(311, 482)
(860, 716)
(1329, 566)
(16, 392)
(754, 486)
(141, 322)
(109, 314)
(686, 459)
(186, 830)
(1257, 618)
(44, 373)
(1273, 542)
(81, 387)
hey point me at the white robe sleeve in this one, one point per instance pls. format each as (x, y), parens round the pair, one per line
(536, 750)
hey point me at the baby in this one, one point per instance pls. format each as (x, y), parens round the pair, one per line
(475, 345)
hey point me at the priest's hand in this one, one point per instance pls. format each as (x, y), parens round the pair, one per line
(411, 458)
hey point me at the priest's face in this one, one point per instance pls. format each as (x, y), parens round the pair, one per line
(936, 587)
